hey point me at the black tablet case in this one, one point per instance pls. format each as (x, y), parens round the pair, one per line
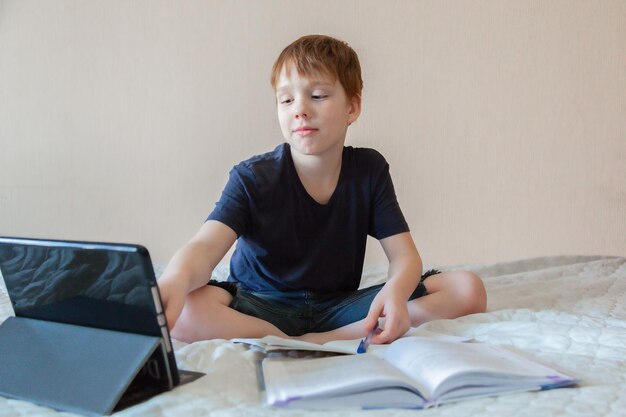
(69, 367)
(86, 337)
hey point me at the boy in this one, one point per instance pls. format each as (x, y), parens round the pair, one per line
(301, 215)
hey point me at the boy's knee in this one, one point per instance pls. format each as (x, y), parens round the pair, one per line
(472, 291)
(186, 327)
(199, 304)
(182, 330)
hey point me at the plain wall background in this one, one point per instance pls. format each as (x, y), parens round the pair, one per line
(504, 122)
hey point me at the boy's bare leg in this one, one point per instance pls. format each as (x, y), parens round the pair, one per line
(206, 315)
(450, 295)
(351, 331)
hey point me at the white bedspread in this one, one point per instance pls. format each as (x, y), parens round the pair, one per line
(570, 311)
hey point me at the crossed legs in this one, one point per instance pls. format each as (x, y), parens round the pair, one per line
(207, 314)
(450, 295)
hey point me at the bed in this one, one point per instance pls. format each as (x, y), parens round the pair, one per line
(568, 310)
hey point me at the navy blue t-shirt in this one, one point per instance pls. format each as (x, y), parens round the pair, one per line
(287, 240)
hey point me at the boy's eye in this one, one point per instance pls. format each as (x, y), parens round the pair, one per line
(319, 96)
(286, 101)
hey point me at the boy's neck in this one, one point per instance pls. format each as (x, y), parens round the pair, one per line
(321, 167)
(319, 174)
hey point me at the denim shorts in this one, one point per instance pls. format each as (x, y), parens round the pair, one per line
(299, 312)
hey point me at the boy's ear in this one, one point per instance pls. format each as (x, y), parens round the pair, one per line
(355, 109)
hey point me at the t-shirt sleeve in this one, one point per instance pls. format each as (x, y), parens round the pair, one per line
(233, 207)
(386, 217)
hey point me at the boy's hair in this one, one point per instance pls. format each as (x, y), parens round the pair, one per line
(322, 54)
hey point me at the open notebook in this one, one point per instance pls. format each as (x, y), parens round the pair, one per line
(414, 372)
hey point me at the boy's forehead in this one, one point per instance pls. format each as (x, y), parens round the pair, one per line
(289, 75)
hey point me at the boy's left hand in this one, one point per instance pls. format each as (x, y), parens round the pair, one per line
(392, 305)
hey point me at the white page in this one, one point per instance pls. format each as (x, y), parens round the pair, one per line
(421, 332)
(333, 376)
(432, 362)
(381, 398)
(271, 343)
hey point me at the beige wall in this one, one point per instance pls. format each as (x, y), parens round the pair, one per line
(503, 121)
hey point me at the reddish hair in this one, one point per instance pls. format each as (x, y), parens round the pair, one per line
(325, 55)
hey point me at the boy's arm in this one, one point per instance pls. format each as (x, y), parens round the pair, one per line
(405, 271)
(192, 265)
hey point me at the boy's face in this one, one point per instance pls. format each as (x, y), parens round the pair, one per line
(314, 112)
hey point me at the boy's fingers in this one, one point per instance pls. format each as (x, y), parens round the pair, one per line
(372, 318)
(172, 312)
(172, 301)
(171, 321)
(394, 328)
(384, 336)
(388, 333)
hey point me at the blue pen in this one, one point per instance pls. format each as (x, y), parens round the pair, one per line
(366, 342)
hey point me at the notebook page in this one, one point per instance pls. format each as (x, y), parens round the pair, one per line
(286, 379)
(433, 361)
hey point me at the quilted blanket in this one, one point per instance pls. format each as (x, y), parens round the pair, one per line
(569, 311)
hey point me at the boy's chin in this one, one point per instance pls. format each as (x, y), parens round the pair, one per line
(310, 148)
(305, 149)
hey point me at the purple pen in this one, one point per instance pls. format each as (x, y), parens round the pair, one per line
(366, 342)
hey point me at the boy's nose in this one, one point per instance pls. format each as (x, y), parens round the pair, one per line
(301, 111)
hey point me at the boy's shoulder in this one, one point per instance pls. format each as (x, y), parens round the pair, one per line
(263, 169)
(271, 157)
(264, 164)
(367, 158)
(364, 152)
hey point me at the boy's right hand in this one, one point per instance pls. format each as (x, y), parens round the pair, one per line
(173, 293)
(191, 265)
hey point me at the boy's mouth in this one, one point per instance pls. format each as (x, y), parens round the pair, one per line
(304, 131)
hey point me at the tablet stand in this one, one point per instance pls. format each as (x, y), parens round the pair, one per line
(78, 369)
